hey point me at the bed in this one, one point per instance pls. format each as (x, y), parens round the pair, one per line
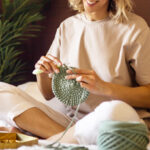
(32, 89)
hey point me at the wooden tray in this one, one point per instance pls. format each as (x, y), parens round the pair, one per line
(15, 140)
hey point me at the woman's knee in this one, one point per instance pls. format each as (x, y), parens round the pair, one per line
(116, 110)
(86, 129)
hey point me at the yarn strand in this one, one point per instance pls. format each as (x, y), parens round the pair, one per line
(70, 124)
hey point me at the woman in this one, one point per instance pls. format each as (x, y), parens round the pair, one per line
(110, 46)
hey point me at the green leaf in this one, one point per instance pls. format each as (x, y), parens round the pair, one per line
(17, 23)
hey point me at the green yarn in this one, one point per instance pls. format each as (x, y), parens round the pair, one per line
(68, 91)
(63, 147)
(119, 135)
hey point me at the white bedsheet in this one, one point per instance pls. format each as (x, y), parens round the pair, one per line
(43, 143)
(46, 142)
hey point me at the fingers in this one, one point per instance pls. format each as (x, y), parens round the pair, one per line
(86, 86)
(80, 71)
(55, 60)
(81, 75)
(89, 79)
(45, 63)
(86, 81)
(48, 64)
(54, 68)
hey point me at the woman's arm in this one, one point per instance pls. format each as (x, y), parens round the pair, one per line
(48, 65)
(44, 84)
(135, 96)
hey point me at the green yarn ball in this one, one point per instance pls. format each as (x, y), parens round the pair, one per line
(118, 135)
(68, 91)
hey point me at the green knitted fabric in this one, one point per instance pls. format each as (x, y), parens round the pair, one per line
(118, 135)
(68, 91)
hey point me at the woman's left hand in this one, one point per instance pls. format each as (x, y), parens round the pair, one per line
(88, 79)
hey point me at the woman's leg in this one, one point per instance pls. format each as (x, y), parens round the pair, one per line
(37, 122)
(67, 138)
(20, 110)
(86, 130)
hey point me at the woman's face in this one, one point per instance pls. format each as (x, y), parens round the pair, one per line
(97, 6)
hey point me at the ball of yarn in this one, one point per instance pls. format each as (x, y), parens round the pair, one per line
(68, 91)
(118, 135)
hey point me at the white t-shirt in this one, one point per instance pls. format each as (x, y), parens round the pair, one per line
(106, 47)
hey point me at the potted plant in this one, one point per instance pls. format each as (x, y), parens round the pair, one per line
(18, 22)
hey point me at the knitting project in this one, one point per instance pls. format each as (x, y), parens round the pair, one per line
(68, 91)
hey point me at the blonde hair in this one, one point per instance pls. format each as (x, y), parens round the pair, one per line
(118, 9)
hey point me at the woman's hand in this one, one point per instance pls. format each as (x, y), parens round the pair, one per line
(88, 79)
(48, 64)
(44, 69)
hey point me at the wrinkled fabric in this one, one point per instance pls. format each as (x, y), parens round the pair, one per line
(118, 53)
(87, 129)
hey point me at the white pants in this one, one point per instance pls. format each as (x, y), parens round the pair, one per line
(14, 101)
(86, 129)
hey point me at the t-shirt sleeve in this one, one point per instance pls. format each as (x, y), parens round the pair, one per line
(56, 45)
(139, 57)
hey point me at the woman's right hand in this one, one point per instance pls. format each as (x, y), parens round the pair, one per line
(48, 64)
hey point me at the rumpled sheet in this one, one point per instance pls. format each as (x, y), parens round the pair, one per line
(43, 143)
